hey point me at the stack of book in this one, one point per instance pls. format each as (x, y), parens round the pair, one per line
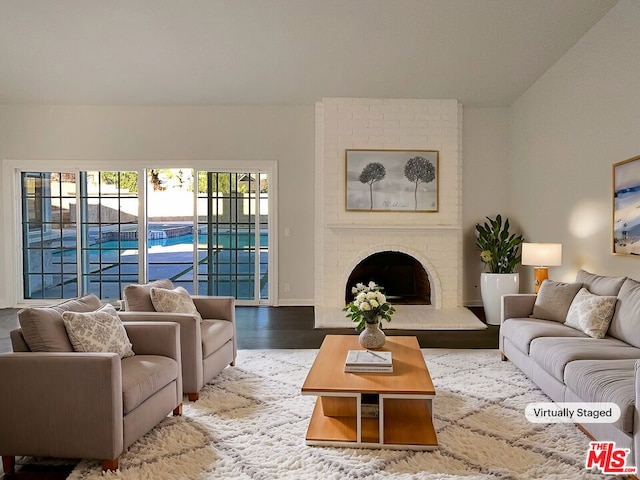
(366, 361)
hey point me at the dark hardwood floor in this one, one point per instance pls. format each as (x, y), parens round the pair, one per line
(269, 328)
(292, 327)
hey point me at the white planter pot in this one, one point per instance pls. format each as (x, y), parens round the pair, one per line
(492, 287)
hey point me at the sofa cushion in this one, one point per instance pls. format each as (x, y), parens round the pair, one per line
(43, 328)
(137, 298)
(521, 331)
(215, 333)
(553, 354)
(599, 284)
(143, 376)
(591, 313)
(625, 325)
(99, 331)
(605, 381)
(554, 299)
(175, 300)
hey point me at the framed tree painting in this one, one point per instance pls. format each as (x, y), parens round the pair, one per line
(392, 180)
(626, 207)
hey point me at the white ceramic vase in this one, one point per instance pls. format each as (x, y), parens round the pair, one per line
(492, 287)
(372, 337)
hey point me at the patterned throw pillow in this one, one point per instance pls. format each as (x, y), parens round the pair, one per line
(591, 313)
(177, 300)
(99, 331)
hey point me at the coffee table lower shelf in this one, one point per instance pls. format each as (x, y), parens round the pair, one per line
(403, 423)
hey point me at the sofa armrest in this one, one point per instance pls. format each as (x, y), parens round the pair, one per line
(189, 324)
(517, 305)
(216, 308)
(155, 338)
(65, 405)
(219, 308)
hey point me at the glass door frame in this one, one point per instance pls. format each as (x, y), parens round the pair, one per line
(16, 167)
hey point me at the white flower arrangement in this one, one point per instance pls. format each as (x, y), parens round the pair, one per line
(369, 305)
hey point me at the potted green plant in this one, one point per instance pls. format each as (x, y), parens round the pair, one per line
(500, 253)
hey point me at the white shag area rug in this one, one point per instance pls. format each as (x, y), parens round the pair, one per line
(250, 423)
(408, 317)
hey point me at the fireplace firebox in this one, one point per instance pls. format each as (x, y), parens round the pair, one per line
(404, 279)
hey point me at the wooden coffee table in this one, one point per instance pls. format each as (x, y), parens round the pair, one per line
(404, 398)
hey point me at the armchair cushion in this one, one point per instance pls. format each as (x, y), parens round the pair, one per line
(143, 376)
(43, 328)
(177, 300)
(99, 331)
(137, 298)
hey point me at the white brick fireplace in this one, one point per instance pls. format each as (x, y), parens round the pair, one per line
(345, 238)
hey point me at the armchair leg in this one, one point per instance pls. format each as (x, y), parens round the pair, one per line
(503, 357)
(233, 364)
(193, 396)
(8, 464)
(177, 411)
(110, 465)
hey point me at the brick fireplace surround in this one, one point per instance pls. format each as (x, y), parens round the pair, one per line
(345, 238)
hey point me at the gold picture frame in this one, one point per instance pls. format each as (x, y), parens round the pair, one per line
(392, 180)
(626, 207)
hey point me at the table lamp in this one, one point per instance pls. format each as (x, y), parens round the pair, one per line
(541, 255)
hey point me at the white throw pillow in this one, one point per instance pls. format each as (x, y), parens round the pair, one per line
(177, 300)
(591, 313)
(99, 331)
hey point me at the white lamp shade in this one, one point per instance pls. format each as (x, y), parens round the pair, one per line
(542, 254)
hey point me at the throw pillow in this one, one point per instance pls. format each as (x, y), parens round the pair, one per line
(599, 284)
(625, 325)
(137, 298)
(553, 300)
(43, 328)
(99, 331)
(177, 300)
(591, 313)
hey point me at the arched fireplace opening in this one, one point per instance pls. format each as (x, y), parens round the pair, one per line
(404, 279)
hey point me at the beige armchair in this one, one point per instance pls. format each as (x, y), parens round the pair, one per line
(67, 404)
(207, 337)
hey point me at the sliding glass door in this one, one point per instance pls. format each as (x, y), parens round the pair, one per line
(91, 232)
(233, 234)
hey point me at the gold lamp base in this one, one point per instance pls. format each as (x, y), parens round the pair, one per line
(540, 274)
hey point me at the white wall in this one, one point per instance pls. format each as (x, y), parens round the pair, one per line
(143, 136)
(485, 184)
(582, 116)
(146, 135)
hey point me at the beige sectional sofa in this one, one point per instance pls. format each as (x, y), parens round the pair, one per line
(595, 360)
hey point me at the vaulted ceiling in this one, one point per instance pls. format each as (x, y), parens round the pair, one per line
(281, 52)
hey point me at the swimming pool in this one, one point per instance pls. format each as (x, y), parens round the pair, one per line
(221, 240)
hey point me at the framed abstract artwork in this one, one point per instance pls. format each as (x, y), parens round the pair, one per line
(391, 180)
(626, 207)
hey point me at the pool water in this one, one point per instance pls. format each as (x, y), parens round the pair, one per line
(221, 240)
